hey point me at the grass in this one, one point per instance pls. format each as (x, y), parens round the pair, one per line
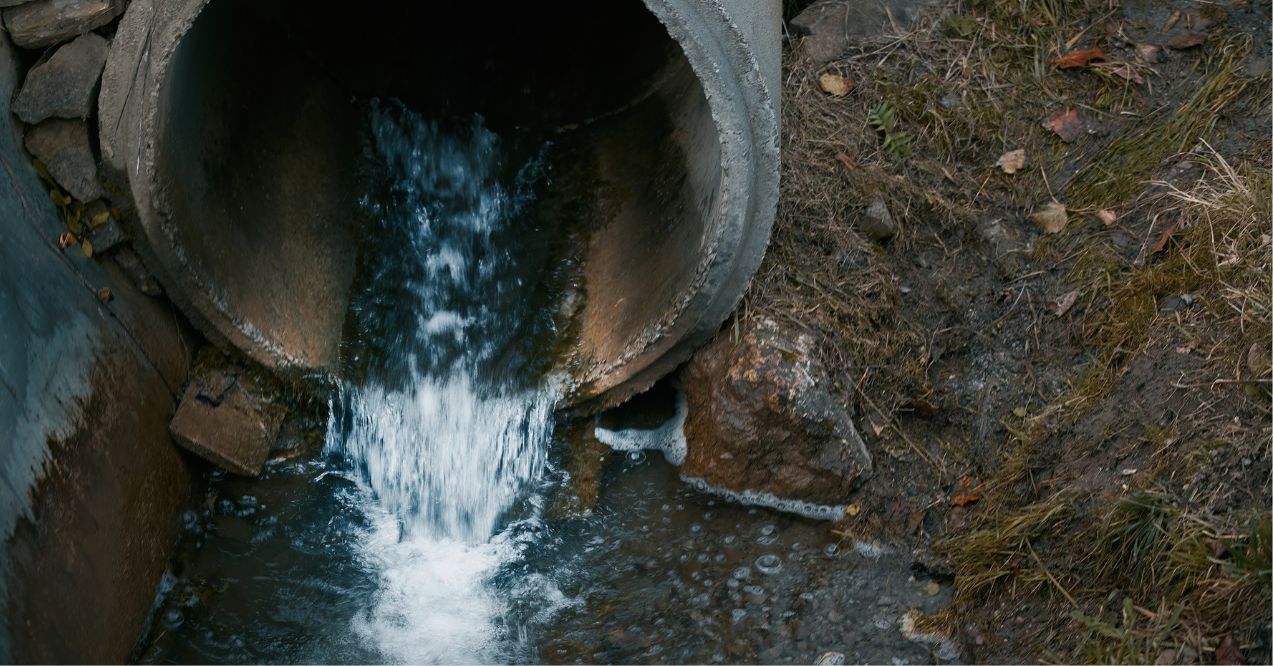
(1124, 567)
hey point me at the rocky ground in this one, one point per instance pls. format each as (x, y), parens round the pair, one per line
(1030, 239)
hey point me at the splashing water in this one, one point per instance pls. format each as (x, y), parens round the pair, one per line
(447, 415)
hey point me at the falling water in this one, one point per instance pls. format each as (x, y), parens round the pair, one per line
(447, 413)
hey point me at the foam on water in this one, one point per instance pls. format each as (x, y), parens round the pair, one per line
(669, 437)
(443, 419)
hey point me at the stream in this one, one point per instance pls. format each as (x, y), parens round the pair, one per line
(423, 533)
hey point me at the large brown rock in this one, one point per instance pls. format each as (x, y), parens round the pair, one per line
(64, 86)
(226, 418)
(35, 25)
(761, 420)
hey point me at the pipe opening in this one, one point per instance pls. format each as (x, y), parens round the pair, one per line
(259, 145)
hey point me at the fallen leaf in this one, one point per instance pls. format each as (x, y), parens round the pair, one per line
(852, 510)
(932, 588)
(835, 85)
(104, 294)
(100, 218)
(1128, 471)
(1066, 124)
(1106, 216)
(1171, 20)
(1063, 304)
(1051, 217)
(963, 499)
(1075, 59)
(847, 161)
(66, 240)
(1164, 238)
(1228, 653)
(87, 248)
(1150, 53)
(1019, 412)
(1012, 161)
(1126, 72)
(1187, 347)
(1187, 41)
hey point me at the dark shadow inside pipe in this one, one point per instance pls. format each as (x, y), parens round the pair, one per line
(259, 141)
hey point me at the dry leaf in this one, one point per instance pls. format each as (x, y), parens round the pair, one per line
(1107, 216)
(1051, 217)
(963, 499)
(1126, 72)
(852, 510)
(1063, 304)
(1019, 412)
(1171, 20)
(1162, 240)
(1150, 53)
(1187, 41)
(848, 162)
(66, 240)
(1066, 124)
(932, 588)
(87, 248)
(1012, 161)
(1075, 59)
(835, 85)
(104, 294)
(1228, 653)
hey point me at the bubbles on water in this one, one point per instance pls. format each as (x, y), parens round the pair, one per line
(695, 528)
(769, 564)
(190, 520)
(831, 549)
(737, 615)
(742, 573)
(730, 540)
(636, 457)
(768, 534)
(173, 618)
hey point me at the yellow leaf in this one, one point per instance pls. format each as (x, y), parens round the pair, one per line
(835, 85)
(87, 246)
(1012, 161)
(1051, 217)
(1019, 412)
(100, 218)
(852, 510)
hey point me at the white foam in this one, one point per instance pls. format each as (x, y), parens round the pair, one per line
(668, 437)
(768, 500)
(432, 606)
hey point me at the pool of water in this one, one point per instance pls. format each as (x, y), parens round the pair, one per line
(424, 532)
(278, 569)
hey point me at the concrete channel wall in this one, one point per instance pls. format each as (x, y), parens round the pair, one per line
(92, 488)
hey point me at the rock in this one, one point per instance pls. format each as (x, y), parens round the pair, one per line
(876, 222)
(105, 236)
(63, 146)
(35, 25)
(130, 263)
(225, 418)
(829, 27)
(64, 86)
(761, 420)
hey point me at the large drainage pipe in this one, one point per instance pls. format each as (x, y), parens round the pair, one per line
(231, 123)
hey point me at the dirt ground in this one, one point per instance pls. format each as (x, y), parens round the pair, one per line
(1069, 413)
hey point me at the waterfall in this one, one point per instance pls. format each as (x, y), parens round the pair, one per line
(446, 413)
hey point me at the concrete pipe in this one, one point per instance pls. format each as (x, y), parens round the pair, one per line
(230, 123)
